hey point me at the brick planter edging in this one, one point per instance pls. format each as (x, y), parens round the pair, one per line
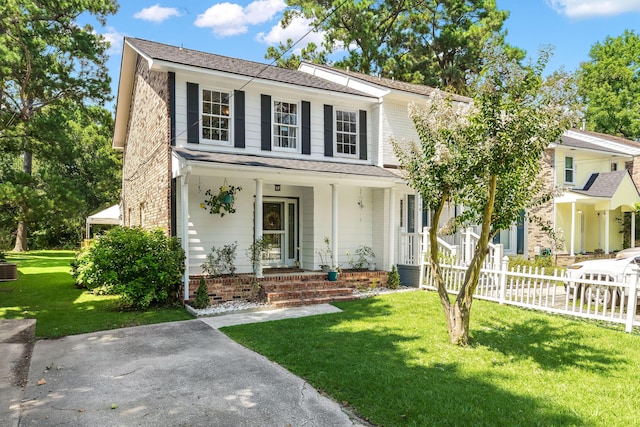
(247, 287)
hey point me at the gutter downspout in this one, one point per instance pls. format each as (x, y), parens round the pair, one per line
(184, 199)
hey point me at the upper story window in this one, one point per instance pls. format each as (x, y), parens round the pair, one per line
(216, 116)
(614, 166)
(346, 133)
(286, 125)
(569, 170)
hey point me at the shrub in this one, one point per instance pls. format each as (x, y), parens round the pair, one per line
(143, 267)
(393, 280)
(221, 260)
(365, 257)
(538, 261)
(202, 295)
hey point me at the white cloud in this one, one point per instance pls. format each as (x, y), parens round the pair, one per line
(115, 40)
(228, 19)
(592, 8)
(157, 13)
(294, 31)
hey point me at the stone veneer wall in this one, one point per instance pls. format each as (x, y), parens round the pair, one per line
(537, 236)
(146, 188)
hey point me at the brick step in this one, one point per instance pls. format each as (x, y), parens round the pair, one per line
(306, 294)
(297, 286)
(301, 302)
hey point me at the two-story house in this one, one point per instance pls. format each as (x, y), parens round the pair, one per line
(310, 149)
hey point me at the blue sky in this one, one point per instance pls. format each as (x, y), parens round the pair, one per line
(244, 28)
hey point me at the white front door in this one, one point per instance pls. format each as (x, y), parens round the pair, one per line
(280, 226)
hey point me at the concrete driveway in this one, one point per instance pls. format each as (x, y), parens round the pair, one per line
(174, 374)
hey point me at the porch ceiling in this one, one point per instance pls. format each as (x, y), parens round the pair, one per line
(284, 169)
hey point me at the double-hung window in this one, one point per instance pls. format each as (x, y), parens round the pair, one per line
(216, 116)
(346, 133)
(286, 125)
(569, 170)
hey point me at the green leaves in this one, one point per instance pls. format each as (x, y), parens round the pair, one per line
(610, 86)
(432, 42)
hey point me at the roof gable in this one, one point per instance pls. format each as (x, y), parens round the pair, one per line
(603, 184)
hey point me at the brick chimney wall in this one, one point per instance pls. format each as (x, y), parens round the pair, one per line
(146, 188)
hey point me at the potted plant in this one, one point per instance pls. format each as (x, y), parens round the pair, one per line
(365, 258)
(332, 274)
(326, 256)
(8, 270)
(221, 203)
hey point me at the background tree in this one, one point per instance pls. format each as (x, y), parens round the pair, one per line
(46, 57)
(610, 86)
(432, 42)
(75, 174)
(485, 155)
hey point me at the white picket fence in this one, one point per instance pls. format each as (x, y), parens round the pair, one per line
(599, 298)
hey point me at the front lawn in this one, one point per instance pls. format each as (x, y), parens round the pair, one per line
(45, 291)
(389, 359)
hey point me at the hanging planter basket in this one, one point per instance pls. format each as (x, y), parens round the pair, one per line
(221, 203)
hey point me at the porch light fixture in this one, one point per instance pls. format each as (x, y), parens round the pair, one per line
(277, 187)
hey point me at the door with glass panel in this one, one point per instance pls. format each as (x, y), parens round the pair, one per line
(280, 227)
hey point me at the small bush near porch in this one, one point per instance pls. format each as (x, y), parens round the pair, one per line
(390, 359)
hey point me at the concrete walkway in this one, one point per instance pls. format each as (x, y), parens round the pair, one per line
(181, 373)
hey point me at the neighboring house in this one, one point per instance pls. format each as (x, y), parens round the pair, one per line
(310, 148)
(599, 177)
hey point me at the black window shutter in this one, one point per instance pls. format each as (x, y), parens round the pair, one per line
(172, 106)
(363, 135)
(306, 127)
(265, 119)
(193, 113)
(238, 119)
(328, 130)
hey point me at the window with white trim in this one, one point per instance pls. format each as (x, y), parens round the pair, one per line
(286, 125)
(216, 116)
(346, 133)
(614, 166)
(569, 170)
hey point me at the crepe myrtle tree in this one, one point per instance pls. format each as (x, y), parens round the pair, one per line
(485, 153)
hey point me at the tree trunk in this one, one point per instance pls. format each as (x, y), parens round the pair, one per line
(460, 311)
(22, 231)
(21, 237)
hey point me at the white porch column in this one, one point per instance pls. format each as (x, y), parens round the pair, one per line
(334, 223)
(633, 229)
(573, 228)
(184, 207)
(392, 229)
(257, 223)
(606, 231)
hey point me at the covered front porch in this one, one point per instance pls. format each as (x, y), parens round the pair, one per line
(299, 204)
(595, 219)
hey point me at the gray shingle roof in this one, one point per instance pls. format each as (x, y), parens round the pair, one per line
(390, 83)
(602, 184)
(578, 143)
(284, 163)
(241, 67)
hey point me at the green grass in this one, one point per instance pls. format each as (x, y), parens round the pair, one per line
(45, 291)
(389, 359)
